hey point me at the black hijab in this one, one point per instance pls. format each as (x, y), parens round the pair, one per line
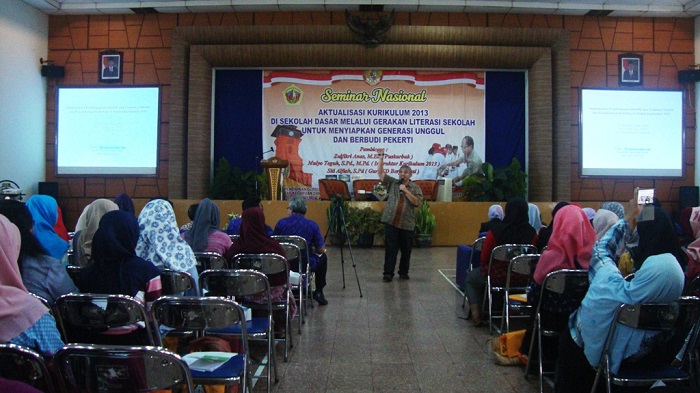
(115, 268)
(515, 227)
(657, 236)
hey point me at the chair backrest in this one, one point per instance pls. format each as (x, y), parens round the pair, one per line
(524, 264)
(175, 282)
(366, 185)
(25, 365)
(293, 253)
(429, 189)
(563, 289)
(693, 288)
(210, 260)
(108, 368)
(329, 188)
(479, 243)
(233, 283)
(267, 263)
(82, 318)
(505, 253)
(234, 237)
(196, 313)
(74, 272)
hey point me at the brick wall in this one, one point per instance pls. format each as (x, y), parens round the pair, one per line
(75, 41)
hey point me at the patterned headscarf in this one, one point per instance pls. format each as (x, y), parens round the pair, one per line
(615, 207)
(160, 242)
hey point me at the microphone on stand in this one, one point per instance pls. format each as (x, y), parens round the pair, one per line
(272, 150)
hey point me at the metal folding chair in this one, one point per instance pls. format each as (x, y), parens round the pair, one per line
(502, 255)
(238, 284)
(85, 317)
(477, 246)
(294, 254)
(566, 283)
(205, 315)
(25, 365)
(518, 267)
(210, 260)
(647, 316)
(270, 264)
(175, 283)
(304, 269)
(116, 368)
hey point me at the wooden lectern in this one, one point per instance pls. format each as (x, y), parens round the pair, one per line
(273, 171)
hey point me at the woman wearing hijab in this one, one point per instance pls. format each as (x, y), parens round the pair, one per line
(44, 210)
(659, 279)
(87, 225)
(160, 242)
(125, 203)
(495, 218)
(604, 219)
(205, 234)
(693, 249)
(545, 233)
(657, 236)
(534, 216)
(42, 274)
(590, 213)
(115, 269)
(23, 318)
(569, 248)
(255, 240)
(515, 228)
(615, 207)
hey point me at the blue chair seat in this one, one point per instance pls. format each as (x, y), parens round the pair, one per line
(232, 370)
(649, 371)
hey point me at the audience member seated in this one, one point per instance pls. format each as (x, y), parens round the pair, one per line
(546, 232)
(515, 228)
(534, 217)
(297, 224)
(569, 247)
(495, 217)
(42, 274)
(234, 226)
(191, 213)
(85, 229)
(125, 203)
(255, 240)
(615, 207)
(590, 213)
(24, 320)
(115, 268)
(693, 249)
(659, 279)
(160, 242)
(603, 220)
(205, 234)
(44, 210)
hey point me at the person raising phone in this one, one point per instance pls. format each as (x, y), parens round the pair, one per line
(399, 217)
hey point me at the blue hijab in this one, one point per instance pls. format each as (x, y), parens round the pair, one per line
(660, 279)
(206, 221)
(44, 210)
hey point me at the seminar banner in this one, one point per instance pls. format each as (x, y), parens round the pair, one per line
(329, 124)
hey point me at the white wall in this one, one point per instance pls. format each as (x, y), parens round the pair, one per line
(24, 33)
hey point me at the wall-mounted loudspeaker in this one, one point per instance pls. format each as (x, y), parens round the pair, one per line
(688, 197)
(689, 76)
(49, 188)
(53, 71)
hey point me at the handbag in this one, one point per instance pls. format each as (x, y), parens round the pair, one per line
(506, 348)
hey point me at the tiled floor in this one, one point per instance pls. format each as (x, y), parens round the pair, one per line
(402, 336)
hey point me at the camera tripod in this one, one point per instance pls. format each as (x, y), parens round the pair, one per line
(336, 218)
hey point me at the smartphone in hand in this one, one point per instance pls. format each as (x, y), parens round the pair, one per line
(645, 196)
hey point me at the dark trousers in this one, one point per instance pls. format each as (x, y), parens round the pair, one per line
(396, 239)
(320, 272)
(574, 373)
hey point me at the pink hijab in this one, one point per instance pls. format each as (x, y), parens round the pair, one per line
(18, 309)
(693, 250)
(571, 243)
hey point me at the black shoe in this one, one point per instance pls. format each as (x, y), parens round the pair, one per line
(387, 278)
(318, 296)
(404, 276)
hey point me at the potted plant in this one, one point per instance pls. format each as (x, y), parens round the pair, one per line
(500, 184)
(363, 225)
(425, 224)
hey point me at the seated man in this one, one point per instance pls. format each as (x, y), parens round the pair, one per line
(234, 226)
(297, 224)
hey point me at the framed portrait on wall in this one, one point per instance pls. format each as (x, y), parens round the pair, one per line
(109, 68)
(630, 68)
